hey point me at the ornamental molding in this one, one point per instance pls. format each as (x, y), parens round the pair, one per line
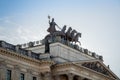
(24, 58)
(79, 70)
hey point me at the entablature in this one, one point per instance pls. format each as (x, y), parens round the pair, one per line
(80, 70)
(12, 58)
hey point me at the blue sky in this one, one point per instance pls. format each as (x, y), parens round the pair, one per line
(22, 21)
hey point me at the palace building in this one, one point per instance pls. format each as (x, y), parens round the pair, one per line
(58, 56)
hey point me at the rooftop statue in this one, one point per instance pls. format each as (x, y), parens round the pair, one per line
(76, 38)
(57, 33)
(69, 35)
(47, 47)
(52, 25)
(60, 33)
(73, 33)
(52, 30)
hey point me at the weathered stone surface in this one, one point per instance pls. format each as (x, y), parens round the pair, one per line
(48, 69)
(62, 53)
(2, 72)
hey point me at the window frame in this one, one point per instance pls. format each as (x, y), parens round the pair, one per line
(8, 74)
(34, 78)
(22, 76)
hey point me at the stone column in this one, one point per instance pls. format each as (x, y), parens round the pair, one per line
(28, 75)
(39, 77)
(47, 76)
(2, 70)
(70, 76)
(16, 73)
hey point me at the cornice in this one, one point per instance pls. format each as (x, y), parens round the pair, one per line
(24, 58)
(77, 68)
(98, 61)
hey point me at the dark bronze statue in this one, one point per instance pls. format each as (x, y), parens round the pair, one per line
(76, 38)
(52, 25)
(68, 33)
(47, 48)
(63, 29)
(57, 33)
(73, 33)
(60, 33)
(71, 36)
(66, 36)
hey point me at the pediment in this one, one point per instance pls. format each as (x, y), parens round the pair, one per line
(99, 67)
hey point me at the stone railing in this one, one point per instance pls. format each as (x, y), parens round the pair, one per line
(77, 47)
(18, 49)
(68, 43)
(32, 44)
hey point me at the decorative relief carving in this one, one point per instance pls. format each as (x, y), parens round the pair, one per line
(96, 67)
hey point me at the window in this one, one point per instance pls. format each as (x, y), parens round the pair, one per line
(8, 74)
(21, 76)
(34, 78)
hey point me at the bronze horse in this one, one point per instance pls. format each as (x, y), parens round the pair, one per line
(70, 35)
(60, 33)
(57, 33)
(76, 38)
(67, 34)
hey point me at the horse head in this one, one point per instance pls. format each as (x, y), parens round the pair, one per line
(76, 37)
(69, 29)
(78, 34)
(73, 33)
(63, 29)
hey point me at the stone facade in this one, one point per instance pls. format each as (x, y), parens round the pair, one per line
(62, 63)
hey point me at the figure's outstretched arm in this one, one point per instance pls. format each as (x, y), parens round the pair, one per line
(58, 26)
